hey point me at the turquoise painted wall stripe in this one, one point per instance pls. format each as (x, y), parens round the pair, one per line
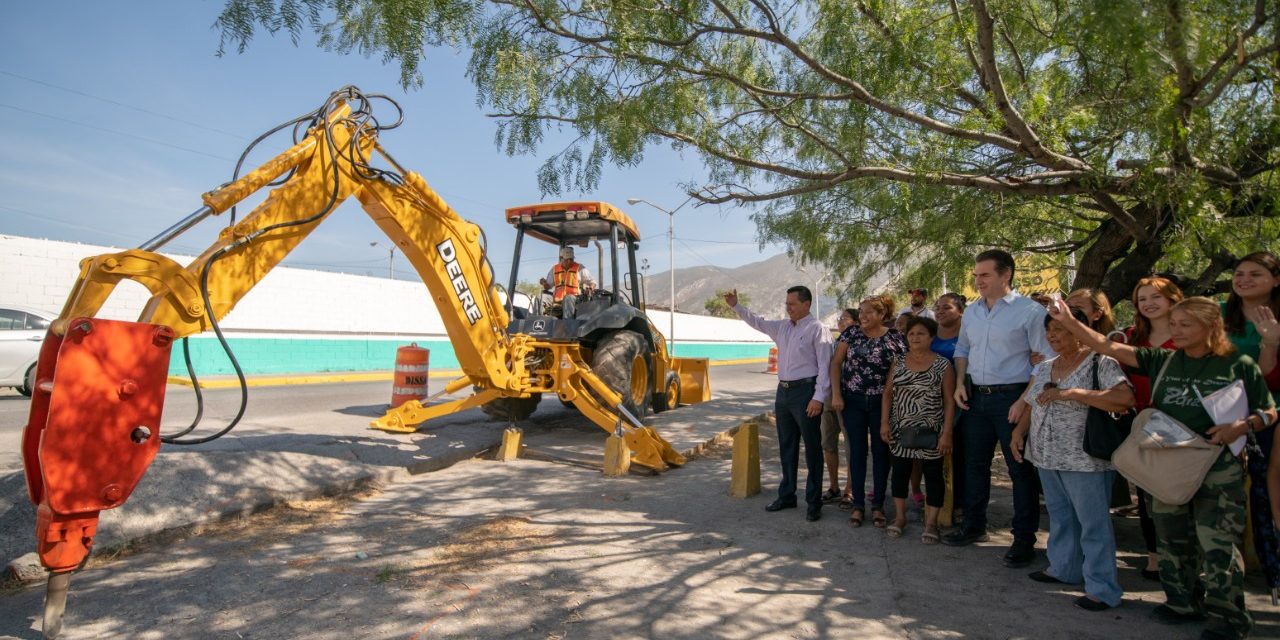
(721, 350)
(267, 356)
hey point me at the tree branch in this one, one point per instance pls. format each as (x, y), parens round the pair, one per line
(1220, 261)
(1121, 216)
(1259, 19)
(1031, 143)
(968, 48)
(1225, 81)
(1017, 57)
(968, 96)
(860, 93)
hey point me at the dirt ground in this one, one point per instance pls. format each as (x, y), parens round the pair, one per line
(532, 549)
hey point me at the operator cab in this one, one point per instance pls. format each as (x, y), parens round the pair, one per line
(601, 239)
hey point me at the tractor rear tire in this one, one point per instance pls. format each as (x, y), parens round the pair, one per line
(511, 409)
(621, 360)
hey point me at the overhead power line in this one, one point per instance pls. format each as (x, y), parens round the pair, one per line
(447, 194)
(124, 105)
(131, 136)
(73, 225)
(714, 241)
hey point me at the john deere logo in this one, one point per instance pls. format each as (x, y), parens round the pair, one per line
(539, 326)
(460, 288)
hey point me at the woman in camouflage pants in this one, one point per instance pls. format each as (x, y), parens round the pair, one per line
(1206, 534)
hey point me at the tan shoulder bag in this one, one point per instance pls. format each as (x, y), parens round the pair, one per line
(1172, 473)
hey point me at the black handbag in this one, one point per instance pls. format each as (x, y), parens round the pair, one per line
(917, 437)
(1103, 430)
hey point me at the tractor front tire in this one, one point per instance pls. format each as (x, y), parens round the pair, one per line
(669, 397)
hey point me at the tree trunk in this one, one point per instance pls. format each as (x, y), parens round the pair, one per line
(1137, 260)
(1112, 244)
(1139, 263)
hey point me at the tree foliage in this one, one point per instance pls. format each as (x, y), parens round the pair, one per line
(715, 306)
(531, 289)
(866, 133)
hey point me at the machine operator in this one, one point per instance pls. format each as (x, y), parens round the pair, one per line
(566, 281)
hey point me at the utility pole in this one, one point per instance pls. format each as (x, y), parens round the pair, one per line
(671, 258)
(391, 259)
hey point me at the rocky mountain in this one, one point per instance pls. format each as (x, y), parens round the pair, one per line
(765, 282)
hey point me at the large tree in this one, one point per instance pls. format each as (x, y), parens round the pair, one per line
(1135, 135)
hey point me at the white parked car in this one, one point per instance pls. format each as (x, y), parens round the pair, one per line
(21, 332)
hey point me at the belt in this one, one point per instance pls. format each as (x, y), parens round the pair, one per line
(988, 389)
(787, 384)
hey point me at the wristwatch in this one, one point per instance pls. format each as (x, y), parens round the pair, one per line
(1263, 423)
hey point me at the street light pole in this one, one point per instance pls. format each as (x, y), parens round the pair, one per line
(817, 294)
(391, 260)
(644, 267)
(671, 258)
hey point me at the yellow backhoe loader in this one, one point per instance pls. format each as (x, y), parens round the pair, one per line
(94, 426)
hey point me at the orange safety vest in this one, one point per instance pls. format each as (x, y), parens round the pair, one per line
(566, 281)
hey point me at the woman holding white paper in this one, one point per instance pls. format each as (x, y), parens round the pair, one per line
(1205, 534)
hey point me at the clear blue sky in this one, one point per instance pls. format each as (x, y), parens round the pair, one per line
(118, 115)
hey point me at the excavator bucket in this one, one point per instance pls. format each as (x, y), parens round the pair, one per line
(652, 450)
(647, 447)
(406, 417)
(695, 379)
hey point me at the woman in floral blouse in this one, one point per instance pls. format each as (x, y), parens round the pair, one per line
(863, 355)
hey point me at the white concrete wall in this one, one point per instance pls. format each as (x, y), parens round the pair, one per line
(39, 274)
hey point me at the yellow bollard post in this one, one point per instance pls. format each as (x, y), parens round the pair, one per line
(510, 448)
(949, 502)
(745, 478)
(617, 456)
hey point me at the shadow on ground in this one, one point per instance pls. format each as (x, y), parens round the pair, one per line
(536, 550)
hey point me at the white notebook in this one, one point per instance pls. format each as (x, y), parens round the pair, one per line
(1226, 405)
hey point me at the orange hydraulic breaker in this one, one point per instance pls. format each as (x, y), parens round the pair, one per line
(94, 428)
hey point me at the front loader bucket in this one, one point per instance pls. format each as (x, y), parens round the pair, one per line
(695, 379)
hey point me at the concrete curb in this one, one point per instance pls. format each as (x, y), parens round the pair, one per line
(724, 437)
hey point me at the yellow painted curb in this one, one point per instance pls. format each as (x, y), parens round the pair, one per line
(722, 363)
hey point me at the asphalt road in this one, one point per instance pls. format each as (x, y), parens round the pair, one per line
(315, 409)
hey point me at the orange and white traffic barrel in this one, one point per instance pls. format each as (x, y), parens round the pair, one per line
(773, 360)
(410, 382)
